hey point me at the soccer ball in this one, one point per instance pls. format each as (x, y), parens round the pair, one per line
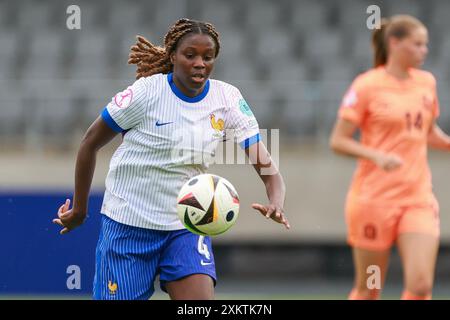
(208, 205)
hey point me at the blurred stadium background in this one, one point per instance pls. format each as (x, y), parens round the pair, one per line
(292, 60)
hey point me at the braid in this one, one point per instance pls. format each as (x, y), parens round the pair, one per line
(151, 59)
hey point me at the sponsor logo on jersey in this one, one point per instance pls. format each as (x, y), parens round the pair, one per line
(427, 103)
(159, 124)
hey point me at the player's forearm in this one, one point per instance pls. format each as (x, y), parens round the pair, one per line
(84, 173)
(438, 139)
(350, 147)
(275, 188)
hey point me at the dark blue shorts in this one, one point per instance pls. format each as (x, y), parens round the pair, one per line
(128, 259)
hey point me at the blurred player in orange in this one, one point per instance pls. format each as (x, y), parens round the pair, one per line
(395, 106)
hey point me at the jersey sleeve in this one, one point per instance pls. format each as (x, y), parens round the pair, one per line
(127, 108)
(240, 120)
(354, 104)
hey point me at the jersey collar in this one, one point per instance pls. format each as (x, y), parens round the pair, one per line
(184, 97)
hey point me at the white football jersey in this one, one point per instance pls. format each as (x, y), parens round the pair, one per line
(167, 139)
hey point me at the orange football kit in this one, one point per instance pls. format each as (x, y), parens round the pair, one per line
(394, 116)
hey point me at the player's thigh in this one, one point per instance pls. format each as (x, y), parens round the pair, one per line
(187, 259)
(123, 267)
(192, 287)
(418, 243)
(370, 267)
(418, 253)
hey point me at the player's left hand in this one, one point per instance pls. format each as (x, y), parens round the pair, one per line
(275, 212)
(68, 219)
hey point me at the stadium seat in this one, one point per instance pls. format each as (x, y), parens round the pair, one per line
(308, 45)
(44, 57)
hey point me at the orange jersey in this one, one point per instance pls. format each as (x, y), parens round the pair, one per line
(394, 116)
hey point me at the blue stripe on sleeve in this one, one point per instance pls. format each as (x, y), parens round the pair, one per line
(250, 141)
(110, 121)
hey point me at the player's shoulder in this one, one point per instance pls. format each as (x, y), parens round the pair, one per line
(146, 81)
(224, 91)
(369, 78)
(222, 86)
(423, 76)
(148, 86)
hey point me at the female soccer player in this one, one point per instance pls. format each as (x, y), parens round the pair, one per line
(172, 101)
(395, 107)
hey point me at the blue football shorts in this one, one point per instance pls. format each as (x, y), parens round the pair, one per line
(128, 259)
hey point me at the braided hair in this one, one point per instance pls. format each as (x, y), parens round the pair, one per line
(151, 59)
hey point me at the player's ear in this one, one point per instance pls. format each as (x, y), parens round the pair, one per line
(172, 58)
(393, 42)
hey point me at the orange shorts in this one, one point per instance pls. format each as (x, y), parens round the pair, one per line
(373, 227)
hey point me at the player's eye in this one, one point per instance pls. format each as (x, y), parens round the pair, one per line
(208, 58)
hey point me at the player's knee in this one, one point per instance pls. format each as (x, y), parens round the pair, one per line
(193, 287)
(421, 285)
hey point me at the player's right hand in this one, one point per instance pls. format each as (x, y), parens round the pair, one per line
(388, 162)
(68, 219)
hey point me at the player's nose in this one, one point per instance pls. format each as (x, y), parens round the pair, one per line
(199, 62)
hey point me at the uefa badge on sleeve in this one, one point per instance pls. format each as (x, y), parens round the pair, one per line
(349, 99)
(245, 108)
(123, 99)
